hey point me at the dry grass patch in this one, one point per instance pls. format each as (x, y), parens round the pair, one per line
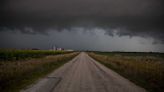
(15, 75)
(147, 71)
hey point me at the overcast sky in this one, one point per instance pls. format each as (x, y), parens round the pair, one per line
(105, 25)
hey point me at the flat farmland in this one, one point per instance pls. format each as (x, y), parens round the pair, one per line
(19, 68)
(84, 72)
(143, 68)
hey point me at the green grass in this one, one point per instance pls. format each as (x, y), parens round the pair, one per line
(17, 75)
(14, 55)
(144, 69)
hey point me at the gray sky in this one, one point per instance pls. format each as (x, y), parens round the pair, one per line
(108, 25)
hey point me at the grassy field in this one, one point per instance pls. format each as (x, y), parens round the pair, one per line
(15, 75)
(144, 69)
(13, 55)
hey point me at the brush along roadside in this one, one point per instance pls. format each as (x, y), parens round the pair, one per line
(147, 72)
(18, 74)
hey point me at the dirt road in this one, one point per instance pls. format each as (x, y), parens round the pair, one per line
(83, 74)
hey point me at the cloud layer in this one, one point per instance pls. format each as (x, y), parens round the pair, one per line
(142, 18)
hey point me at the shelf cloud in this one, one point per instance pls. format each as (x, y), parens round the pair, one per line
(142, 18)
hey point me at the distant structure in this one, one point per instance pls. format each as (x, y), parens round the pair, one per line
(55, 48)
(60, 48)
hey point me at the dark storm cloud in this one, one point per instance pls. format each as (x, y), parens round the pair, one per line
(129, 17)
